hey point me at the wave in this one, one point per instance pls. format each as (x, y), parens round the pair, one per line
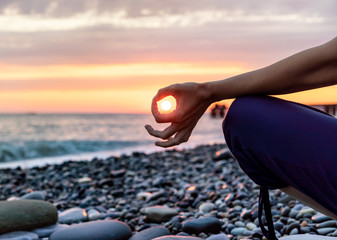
(38, 149)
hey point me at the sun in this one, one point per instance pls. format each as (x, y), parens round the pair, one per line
(167, 105)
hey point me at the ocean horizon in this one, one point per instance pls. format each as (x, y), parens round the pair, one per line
(35, 139)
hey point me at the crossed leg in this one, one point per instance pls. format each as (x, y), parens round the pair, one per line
(286, 145)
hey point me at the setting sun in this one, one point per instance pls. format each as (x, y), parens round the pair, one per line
(167, 105)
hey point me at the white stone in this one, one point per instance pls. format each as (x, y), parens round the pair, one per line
(84, 180)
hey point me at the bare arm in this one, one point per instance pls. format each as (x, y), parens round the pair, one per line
(312, 68)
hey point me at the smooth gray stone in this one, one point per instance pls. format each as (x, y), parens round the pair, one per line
(47, 231)
(102, 230)
(247, 233)
(221, 236)
(334, 234)
(330, 223)
(307, 237)
(143, 196)
(292, 226)
(285, 211)
(160, 213)
(93, 214)
(278, 226)
(239, 224)
(206, 225)
(73, 215)
(13, 198)
(319, 217)
(250, 226)
(22, 215)
(37, 195)
(19, 235)
(294, 231)
(293, 213)
(151, 233)
(307, 210)
(175, 237)
(238, 231)
(325, 231)
(206, 207)
(285, 199)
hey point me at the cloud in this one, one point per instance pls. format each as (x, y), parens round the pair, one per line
(35, 32)
(13, 21)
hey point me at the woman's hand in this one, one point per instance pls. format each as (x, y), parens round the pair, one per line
(192, 99)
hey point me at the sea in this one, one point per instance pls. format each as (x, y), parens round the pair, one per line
(28, 140)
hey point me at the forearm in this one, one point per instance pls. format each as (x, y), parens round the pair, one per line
(312, 68)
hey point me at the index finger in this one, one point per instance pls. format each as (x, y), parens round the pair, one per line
(160, 117)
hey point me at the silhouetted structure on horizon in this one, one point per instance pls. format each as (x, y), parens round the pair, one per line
(218, 111)
(328, 108)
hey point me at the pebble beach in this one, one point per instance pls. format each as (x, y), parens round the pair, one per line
(198, 193)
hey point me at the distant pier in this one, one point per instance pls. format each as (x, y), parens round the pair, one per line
(328, 108)
(219, 110)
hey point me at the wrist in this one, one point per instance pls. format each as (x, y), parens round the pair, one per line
(208, 92)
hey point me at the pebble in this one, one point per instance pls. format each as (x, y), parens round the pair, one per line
(151, 233)
(334, 234)
(307, 210)
(206, 225)
(174, 237)
(143, 196)
(220, 236)
(160, 190)
(319, 217)
(250, 226)
(206, 207)
(72, 215)
(93, 214)
(307, 237)
(329, 223)
(324, 231)
(37, 195)
(160, 213)
(101, 229)
(84, 180)
(13, 198)
(294, 231)
(19, 235)
(26, 215)
(47, 231)
(238, 231)
(239, 224)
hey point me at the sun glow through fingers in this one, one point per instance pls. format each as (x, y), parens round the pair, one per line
(167, 105)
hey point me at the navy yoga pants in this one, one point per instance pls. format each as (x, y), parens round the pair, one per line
(279, 143)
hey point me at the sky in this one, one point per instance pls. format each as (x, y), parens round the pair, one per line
(102, 56)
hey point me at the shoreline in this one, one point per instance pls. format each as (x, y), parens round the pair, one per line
(89, 156)
(195, 192)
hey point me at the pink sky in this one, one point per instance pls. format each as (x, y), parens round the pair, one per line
(112, 56)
